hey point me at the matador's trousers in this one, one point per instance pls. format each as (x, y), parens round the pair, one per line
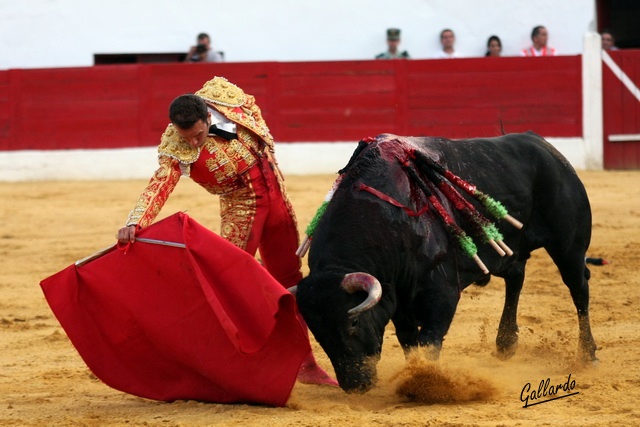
(258, 218)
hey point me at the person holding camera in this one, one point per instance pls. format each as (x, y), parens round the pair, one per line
(202, 51)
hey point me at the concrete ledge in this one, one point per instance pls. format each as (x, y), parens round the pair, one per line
(140, 163)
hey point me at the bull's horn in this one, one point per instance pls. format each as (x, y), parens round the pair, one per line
(353, 282)
(293, 290)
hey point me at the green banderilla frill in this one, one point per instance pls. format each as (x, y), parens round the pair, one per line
(466, 243)
(470, 249)
(491, 232)
(316, 219)
(496, 209)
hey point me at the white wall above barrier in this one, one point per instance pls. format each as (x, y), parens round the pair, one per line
(67, 33)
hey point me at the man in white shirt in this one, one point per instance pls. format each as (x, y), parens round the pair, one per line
(447, 39)
(539, 37)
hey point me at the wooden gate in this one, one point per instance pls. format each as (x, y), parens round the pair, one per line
(621, 109)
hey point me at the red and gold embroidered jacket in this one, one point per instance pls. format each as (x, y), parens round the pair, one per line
(220, 166)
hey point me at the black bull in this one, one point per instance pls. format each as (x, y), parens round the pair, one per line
(415, 261)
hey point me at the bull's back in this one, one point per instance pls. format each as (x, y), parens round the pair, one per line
(530, 178)
(515, 160)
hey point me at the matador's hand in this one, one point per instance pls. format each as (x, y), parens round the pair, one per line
(127, 234)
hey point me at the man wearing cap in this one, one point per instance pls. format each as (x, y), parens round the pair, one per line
(393, 41)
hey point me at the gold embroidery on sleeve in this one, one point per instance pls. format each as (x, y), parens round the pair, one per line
(156, 193)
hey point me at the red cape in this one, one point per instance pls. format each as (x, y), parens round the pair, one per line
(204, 322)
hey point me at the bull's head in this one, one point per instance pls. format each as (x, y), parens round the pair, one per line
(349, 329)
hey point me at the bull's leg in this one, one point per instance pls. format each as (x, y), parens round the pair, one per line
(406, 332)
(575, 275)
(440, 306)
(507, 338)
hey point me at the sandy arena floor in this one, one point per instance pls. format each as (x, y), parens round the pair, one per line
(46, 226)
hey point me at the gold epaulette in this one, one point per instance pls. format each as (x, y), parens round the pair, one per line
(220, 92)
(236, 105)
(172, 145)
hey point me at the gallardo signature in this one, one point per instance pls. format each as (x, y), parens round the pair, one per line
(546, 390)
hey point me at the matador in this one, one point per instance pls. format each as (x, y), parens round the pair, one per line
(219, 139)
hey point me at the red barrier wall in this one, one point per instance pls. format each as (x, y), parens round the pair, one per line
(621, 113)
(126, 105)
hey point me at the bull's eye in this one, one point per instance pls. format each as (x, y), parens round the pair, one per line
(354, 326)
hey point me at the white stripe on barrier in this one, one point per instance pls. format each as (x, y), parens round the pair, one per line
(621, 75)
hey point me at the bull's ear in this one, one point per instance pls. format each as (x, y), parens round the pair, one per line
(388, 300)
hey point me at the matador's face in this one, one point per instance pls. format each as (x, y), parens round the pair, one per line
(196, 135)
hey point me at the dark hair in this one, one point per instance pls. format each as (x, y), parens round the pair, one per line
(186, 110)
(203, 35)
(608, 31)
(536, 31)
(492, 38)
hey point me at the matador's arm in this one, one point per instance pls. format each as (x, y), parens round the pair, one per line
(153, 198)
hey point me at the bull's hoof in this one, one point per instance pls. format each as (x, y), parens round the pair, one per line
(506, 352)
(587, 358)
(582, 364)
(431, 352)
(591, 363)
(362, 389)
(507, 343)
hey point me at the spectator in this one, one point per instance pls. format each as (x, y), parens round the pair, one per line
(393, 41)
(539, 37)
(608, 40)
(448, 40)
(494, 47)
(203, 52)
